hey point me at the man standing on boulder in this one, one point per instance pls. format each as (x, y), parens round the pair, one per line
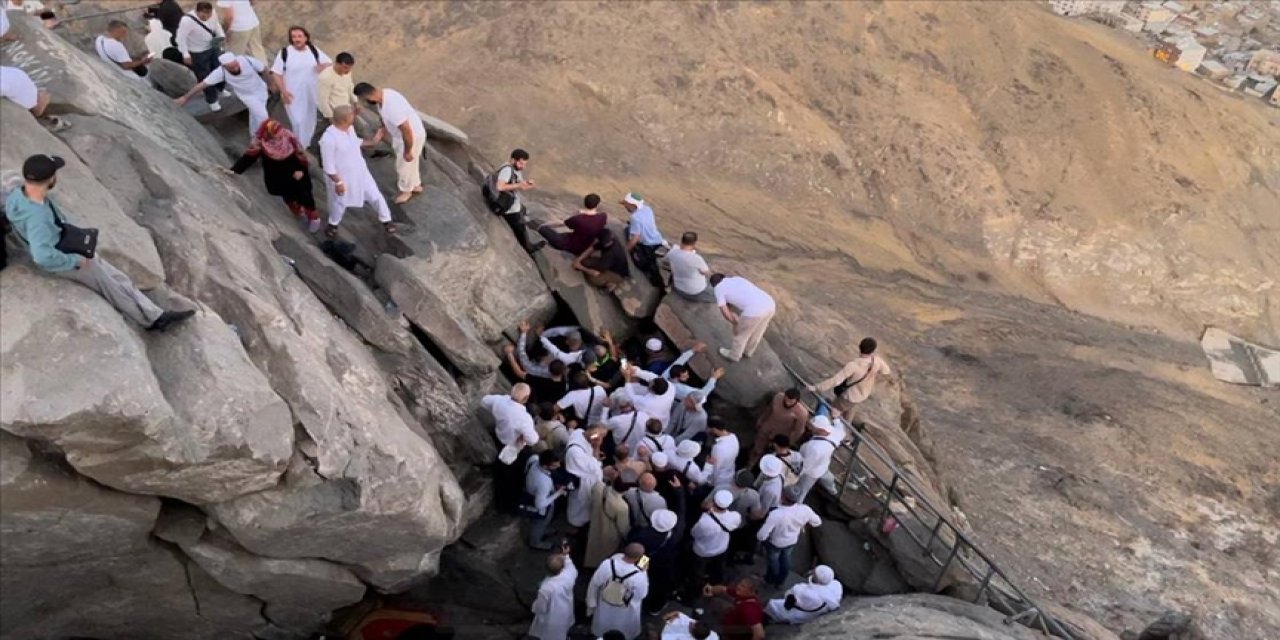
(198, 38)
(347, 178)
(244, 75)
(643, 238)
(509, 181)
(854, 383)
(244, 33)
(408, 136)
(297, 71)
(39, 223)
(755, 310)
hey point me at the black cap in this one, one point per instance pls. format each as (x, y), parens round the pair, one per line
(39, 168)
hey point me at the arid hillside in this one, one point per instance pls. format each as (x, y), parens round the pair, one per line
(987, 145)
(1034, 217)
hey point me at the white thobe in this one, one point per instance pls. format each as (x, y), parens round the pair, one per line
(658, 406)
(580, 460)
(300, 78)
(340, 154)
(812, 600)
(628, 428)
(608, 617)
(248, 86)
(553, 608)
(725, 453)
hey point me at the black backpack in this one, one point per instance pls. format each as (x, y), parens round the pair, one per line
(284, 53)
(499, 201)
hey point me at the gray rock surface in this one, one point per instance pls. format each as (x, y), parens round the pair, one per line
(912, 617)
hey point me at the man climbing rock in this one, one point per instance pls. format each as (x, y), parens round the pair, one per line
(854, 383)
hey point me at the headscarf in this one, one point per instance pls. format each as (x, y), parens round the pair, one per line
(277, 141)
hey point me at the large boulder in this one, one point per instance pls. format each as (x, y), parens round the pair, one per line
(909, 617)
(185, 415)
(859, 562)
(747, 383)
(79, 562)
(594, 308)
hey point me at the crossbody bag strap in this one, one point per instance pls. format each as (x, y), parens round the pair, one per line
(634, 416)
(846, 384)
(197, 21)
(722, 527)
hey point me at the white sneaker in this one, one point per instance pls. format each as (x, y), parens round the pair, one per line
(727, 354)
(214, 106)
(226, 94)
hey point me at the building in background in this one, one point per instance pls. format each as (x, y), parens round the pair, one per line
(1264, 62)
(1213, 70)
(1086, 7)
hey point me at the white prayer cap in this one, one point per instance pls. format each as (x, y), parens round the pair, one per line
(653, 344)
(663, 520)
(658, 460)
(723, 499)
(688, 449)
(770, 466)
(822, 574)
(822, 422)
(227, 58)
(633, 198)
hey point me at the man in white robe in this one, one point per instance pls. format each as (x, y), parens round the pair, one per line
(297, 72)
(580, 460)
(553, 607)
(348, 181)
(817, 596)
(625, 618)
(243, 75)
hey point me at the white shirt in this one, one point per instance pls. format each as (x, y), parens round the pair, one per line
(783, 526)
(395, 111)
(17, 86)
(621, 426)
(658, 406)
(512, 420)
(751, 301)
(300, 69)
(504, 176)
(678, 629)
(193, 39)
(112, 52)
(244, 18)
(538, 483)
(581, 399)
(817, 454)
(690, 469)
(567, 357)
(248, 84)
(792, 466)
(686, 271)
(711, 539)
(725, 453)
(661, 442)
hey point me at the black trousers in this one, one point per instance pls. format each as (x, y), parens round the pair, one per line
(202, 64)
(646, 258)
(702, 571)
(516, 222)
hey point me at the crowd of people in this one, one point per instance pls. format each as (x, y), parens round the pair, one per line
(663, 501)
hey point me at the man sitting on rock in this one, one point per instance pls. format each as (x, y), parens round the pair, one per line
(39, 223)
(584, 228)
(807, 601)
(605, 263)
(689, 271)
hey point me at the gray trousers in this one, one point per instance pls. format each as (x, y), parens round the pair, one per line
(806, 484)
(538, 527)
(706, 295)
(117, 288)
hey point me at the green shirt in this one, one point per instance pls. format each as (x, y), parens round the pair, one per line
(33, 222)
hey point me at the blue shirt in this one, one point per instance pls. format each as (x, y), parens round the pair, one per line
(33, 222)
(643, 224)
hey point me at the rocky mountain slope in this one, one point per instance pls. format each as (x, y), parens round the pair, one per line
(1033, 215)
(304, 441)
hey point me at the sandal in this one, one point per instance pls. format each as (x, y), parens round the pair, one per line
(331, 231)
(55, 124)
(389, 227)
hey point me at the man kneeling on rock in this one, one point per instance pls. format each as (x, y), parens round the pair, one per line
(39, 223)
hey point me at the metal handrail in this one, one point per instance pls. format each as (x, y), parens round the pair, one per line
(1029, 613)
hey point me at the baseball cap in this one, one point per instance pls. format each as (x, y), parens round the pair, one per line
(40, 167)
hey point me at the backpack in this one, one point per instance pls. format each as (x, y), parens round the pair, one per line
(284, 53)
(9, 183)
(615, 592)
(498, 201)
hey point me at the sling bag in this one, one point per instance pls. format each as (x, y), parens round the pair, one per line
(790, 603)
(844, 386)
(216, 40)
(73, 239)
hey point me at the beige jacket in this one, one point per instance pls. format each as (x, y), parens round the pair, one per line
(863, 368)
(333, 90)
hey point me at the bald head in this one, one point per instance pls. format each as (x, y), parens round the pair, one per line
(520, 392)
(633, 552)
(648, 482)
(555, 564)
(343, 115)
